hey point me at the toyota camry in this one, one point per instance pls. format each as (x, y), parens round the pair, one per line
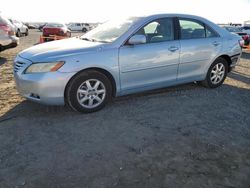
(126, 56)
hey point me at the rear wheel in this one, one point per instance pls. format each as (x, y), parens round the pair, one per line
(88, 92)
(84, 30)
(216, 73)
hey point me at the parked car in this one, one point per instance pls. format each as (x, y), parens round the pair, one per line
(239, 32)
(57, 29)
(20, 28)
(40, 27)
(246, 29)
(126, 56)
(30, 26)
(7, 34)
(84, 27)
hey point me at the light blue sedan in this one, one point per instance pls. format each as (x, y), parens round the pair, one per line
(126, 56)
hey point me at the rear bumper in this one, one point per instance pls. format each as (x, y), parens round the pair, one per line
(235, 59)
(54, 34)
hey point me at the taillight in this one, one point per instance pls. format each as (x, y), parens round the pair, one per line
(4, 27)
(245, 37)
(7, 29)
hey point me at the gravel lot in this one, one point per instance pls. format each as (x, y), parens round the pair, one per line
(183, 136)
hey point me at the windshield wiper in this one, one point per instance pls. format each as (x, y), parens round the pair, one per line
(88, 39)
(94, 40)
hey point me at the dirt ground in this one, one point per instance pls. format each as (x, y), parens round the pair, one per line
(183, 136)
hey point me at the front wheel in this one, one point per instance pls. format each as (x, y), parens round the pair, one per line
(88, 92)
(216, 73)
(84, 30)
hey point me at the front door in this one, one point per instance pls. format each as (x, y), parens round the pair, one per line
(153, 64)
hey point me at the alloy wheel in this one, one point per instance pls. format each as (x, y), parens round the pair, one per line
(217, 73)
(91, 93)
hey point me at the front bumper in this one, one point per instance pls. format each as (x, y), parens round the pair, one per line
(46, 88)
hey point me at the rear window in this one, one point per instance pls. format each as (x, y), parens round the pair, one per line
(191, 29)
(194, 29)
(210, 33)
(54, 25)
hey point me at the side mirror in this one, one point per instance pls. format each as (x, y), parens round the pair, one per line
(137, 39)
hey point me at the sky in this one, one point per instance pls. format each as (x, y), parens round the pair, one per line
(218, 11)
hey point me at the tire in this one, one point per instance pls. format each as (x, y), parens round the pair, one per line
(18, 33)
(84, 30)
(215, 77)
(78, 89)
(14, 45)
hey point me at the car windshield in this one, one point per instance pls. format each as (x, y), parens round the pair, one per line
(54, 25)
(110, 31)
(233, 29)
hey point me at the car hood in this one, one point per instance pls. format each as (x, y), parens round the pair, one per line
(58, 49)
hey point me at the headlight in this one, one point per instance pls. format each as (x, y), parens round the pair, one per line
(44, 67)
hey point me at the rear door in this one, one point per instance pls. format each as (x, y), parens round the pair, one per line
(199, 45)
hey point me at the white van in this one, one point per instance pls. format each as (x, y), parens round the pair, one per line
(20, 28)
(84, 27)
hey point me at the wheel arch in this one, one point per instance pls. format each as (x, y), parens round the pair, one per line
(224, 56)
(228, 59)
(101, 70)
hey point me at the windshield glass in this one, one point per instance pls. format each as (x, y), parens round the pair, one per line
(233, 29)
(110, 31)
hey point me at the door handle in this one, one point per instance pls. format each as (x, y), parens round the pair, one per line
(215, 43)
(173, 48)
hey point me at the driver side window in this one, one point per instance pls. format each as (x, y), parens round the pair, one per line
(160, 30)
(151, 28)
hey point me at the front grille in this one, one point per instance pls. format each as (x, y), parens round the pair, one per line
(18, 65)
